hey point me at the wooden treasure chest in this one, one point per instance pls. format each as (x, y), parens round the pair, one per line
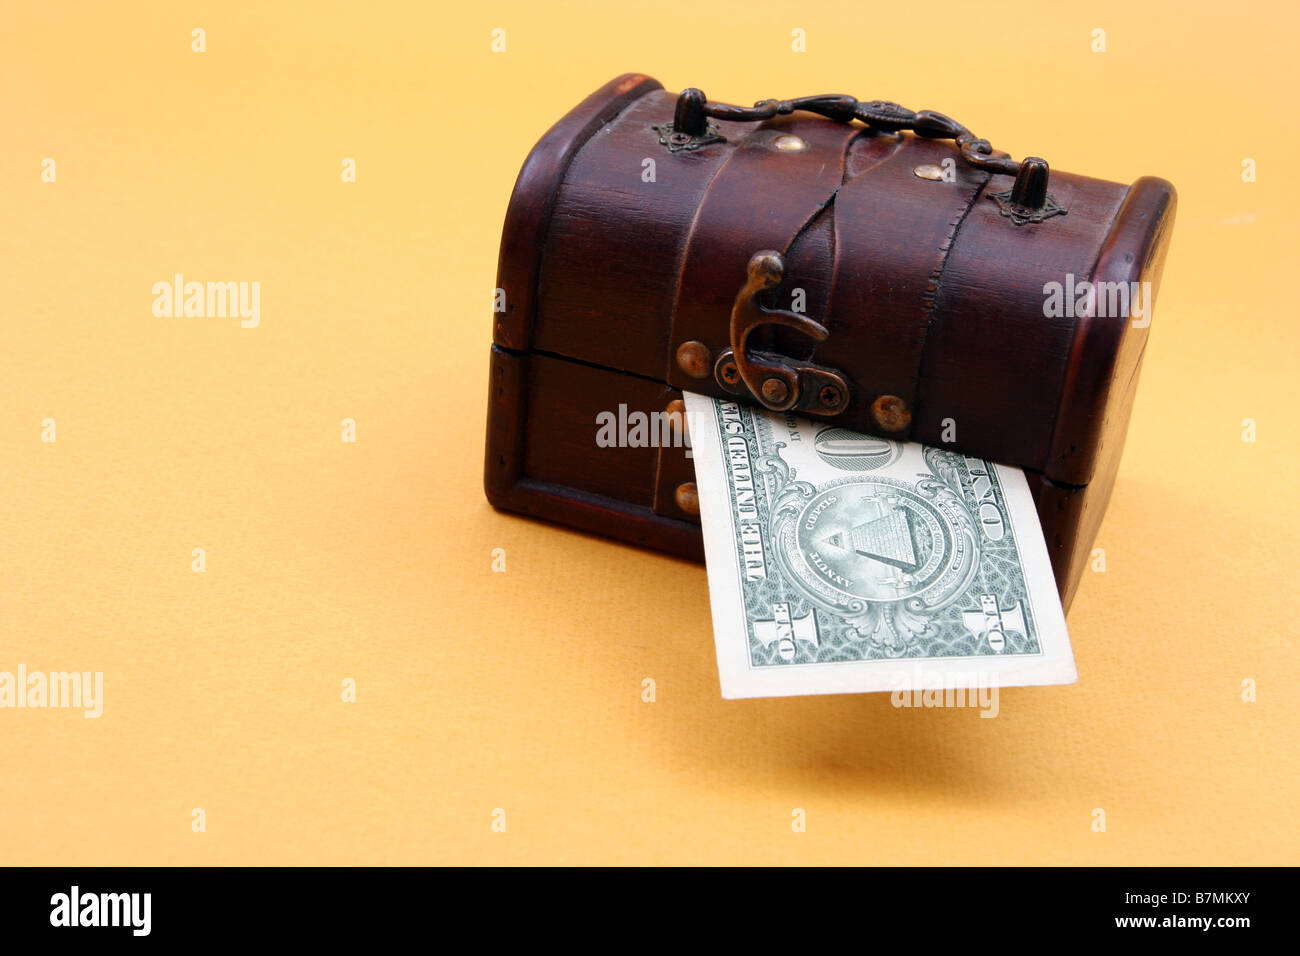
(877, 268)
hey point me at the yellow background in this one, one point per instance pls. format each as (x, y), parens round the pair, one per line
(522, 690)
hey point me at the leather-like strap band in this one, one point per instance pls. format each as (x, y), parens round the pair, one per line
(761, 198)
(893, 230)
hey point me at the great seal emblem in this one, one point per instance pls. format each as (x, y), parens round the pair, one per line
(881, 552)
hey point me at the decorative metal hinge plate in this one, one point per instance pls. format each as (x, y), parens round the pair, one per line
(1019, 214)
(685, 142)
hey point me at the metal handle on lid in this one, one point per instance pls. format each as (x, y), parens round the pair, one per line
(1027, 201)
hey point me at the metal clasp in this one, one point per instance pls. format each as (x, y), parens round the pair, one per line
(770, 379)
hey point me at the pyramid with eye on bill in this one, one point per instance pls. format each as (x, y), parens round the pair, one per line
(887, 539)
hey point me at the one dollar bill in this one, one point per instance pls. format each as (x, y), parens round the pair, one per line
(842, 563)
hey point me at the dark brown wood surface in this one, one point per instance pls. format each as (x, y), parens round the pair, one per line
(528, 221)
(930, 293)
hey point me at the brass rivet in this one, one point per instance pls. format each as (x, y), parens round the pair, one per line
(694, 359)
(775, 391)
(676, 412)
(789, 143)
(928, 171)
(891, 413)
(687, 497)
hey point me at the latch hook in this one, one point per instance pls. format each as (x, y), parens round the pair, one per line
(770, 379)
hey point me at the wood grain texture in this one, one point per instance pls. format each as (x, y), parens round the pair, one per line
(930, 292)
(528, 217)
(893, 233)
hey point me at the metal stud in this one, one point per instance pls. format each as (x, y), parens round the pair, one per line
(695, 359)
(687, 497)
(676, 412)
(891, 413)
(775, 391)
